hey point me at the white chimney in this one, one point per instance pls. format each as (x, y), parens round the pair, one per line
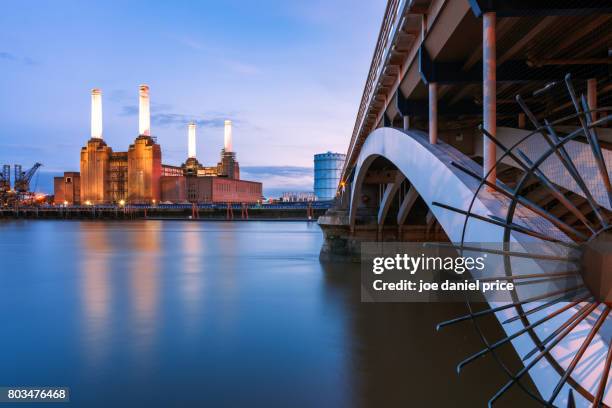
(144, 116)
(96, 113)
(191, 140)
(227, 139)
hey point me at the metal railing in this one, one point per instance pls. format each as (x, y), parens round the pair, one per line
(386, 35)
(185, 206)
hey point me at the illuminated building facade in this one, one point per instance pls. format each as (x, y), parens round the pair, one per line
(144, 170)
(138, 175)
(68, 188)
(203, 184)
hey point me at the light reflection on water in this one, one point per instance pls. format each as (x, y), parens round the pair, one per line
(96, 291)
(153, 313)
(194, 270)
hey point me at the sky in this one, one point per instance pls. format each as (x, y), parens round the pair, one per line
(289, 74)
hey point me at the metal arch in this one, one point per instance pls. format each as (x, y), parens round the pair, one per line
(419, 160)
(556, 146)
(375, 147)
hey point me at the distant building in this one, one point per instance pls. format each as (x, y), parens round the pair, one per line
(68, 188)
(139, 176)
(298, 196)
(327, 172)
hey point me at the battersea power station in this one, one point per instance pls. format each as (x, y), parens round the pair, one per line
(138, 176)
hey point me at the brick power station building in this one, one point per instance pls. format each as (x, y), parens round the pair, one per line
(138, 176)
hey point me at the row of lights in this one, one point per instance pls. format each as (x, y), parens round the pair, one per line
(121, 203)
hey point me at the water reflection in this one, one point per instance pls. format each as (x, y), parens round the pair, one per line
(94, 259)
(145, 254)
(223, 263)
(194, 270)
(398, 359)
(219, 314)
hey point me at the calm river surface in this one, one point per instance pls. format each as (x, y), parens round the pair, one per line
(171, 313)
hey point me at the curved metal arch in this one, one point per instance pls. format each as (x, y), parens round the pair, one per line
(430, 170)
(437, 173)
(356, 187)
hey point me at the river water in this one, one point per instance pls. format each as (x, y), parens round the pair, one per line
(178, 313)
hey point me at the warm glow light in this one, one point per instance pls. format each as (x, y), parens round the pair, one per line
(96, 113)
(65, 203)
(121, 203)
(227, 136)
(144, 112)
(191, 141)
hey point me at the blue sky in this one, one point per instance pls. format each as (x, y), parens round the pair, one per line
(288, 73)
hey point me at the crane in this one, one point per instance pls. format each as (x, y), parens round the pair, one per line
(5, 179)
(5, 185)
(22, 178)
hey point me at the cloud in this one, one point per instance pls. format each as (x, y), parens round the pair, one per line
(166, 119)
(129, 110)
(7, 56)
(169, 119)
(285, 171)
(279, 179)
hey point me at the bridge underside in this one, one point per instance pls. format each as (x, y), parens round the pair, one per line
(400, 178)
(452, 84)
(400, 175)
(444, 67)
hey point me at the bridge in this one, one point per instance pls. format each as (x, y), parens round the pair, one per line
(488, 121)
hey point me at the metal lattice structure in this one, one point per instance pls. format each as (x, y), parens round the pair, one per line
(23, 178)
(585, 219)
(5, 178)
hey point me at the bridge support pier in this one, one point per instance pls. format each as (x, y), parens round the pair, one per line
(433, 113)
(406, 122)
(592, 96)
(489, 88)
(406, 205)
(390, 191)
